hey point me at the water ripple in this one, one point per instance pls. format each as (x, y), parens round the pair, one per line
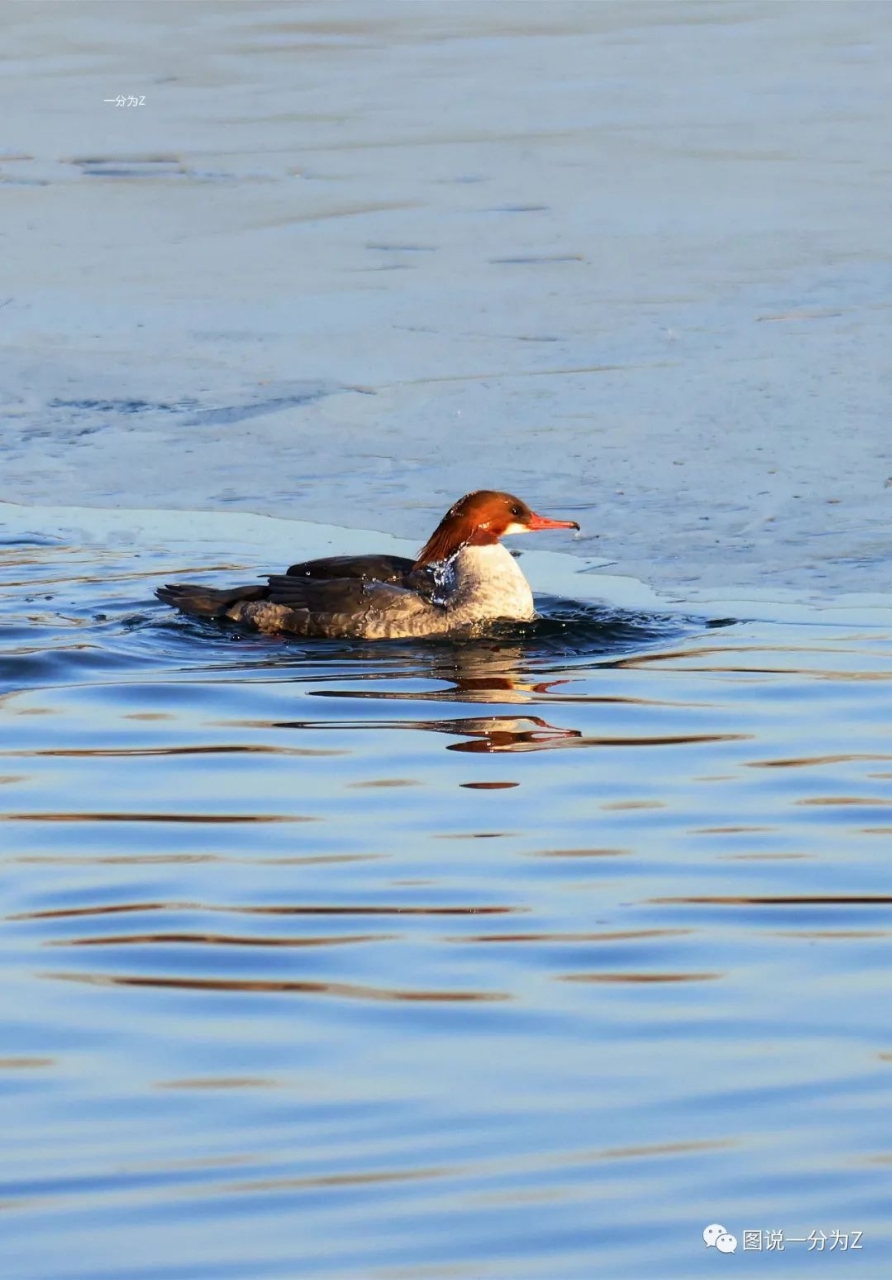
(511, 990)
(343, 990)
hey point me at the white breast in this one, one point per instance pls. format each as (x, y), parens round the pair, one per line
(483, 583)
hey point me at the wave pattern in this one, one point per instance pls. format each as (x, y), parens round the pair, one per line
(513, 955)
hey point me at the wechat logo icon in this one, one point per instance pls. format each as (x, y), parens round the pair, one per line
(718, 1238)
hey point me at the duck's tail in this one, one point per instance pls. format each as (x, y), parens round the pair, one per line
(208, 602)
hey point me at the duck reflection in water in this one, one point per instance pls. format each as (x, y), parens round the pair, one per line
(493, 674)
(490, 673)
(505, 733)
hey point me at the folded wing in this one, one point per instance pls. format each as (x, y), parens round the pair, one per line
(351, 606)
(369, 568)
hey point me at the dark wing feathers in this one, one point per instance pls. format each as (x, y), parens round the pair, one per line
(368, 568)
(319, 595)
(394, 571)
(333, 585)
(208, 602)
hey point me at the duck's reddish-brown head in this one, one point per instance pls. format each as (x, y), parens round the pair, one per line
(481, 518)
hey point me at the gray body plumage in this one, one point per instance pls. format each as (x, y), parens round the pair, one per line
(382, 599)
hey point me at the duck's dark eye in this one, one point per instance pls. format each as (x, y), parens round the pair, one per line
(516, 511)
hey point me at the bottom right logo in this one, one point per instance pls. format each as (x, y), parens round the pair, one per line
(716, 1237)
